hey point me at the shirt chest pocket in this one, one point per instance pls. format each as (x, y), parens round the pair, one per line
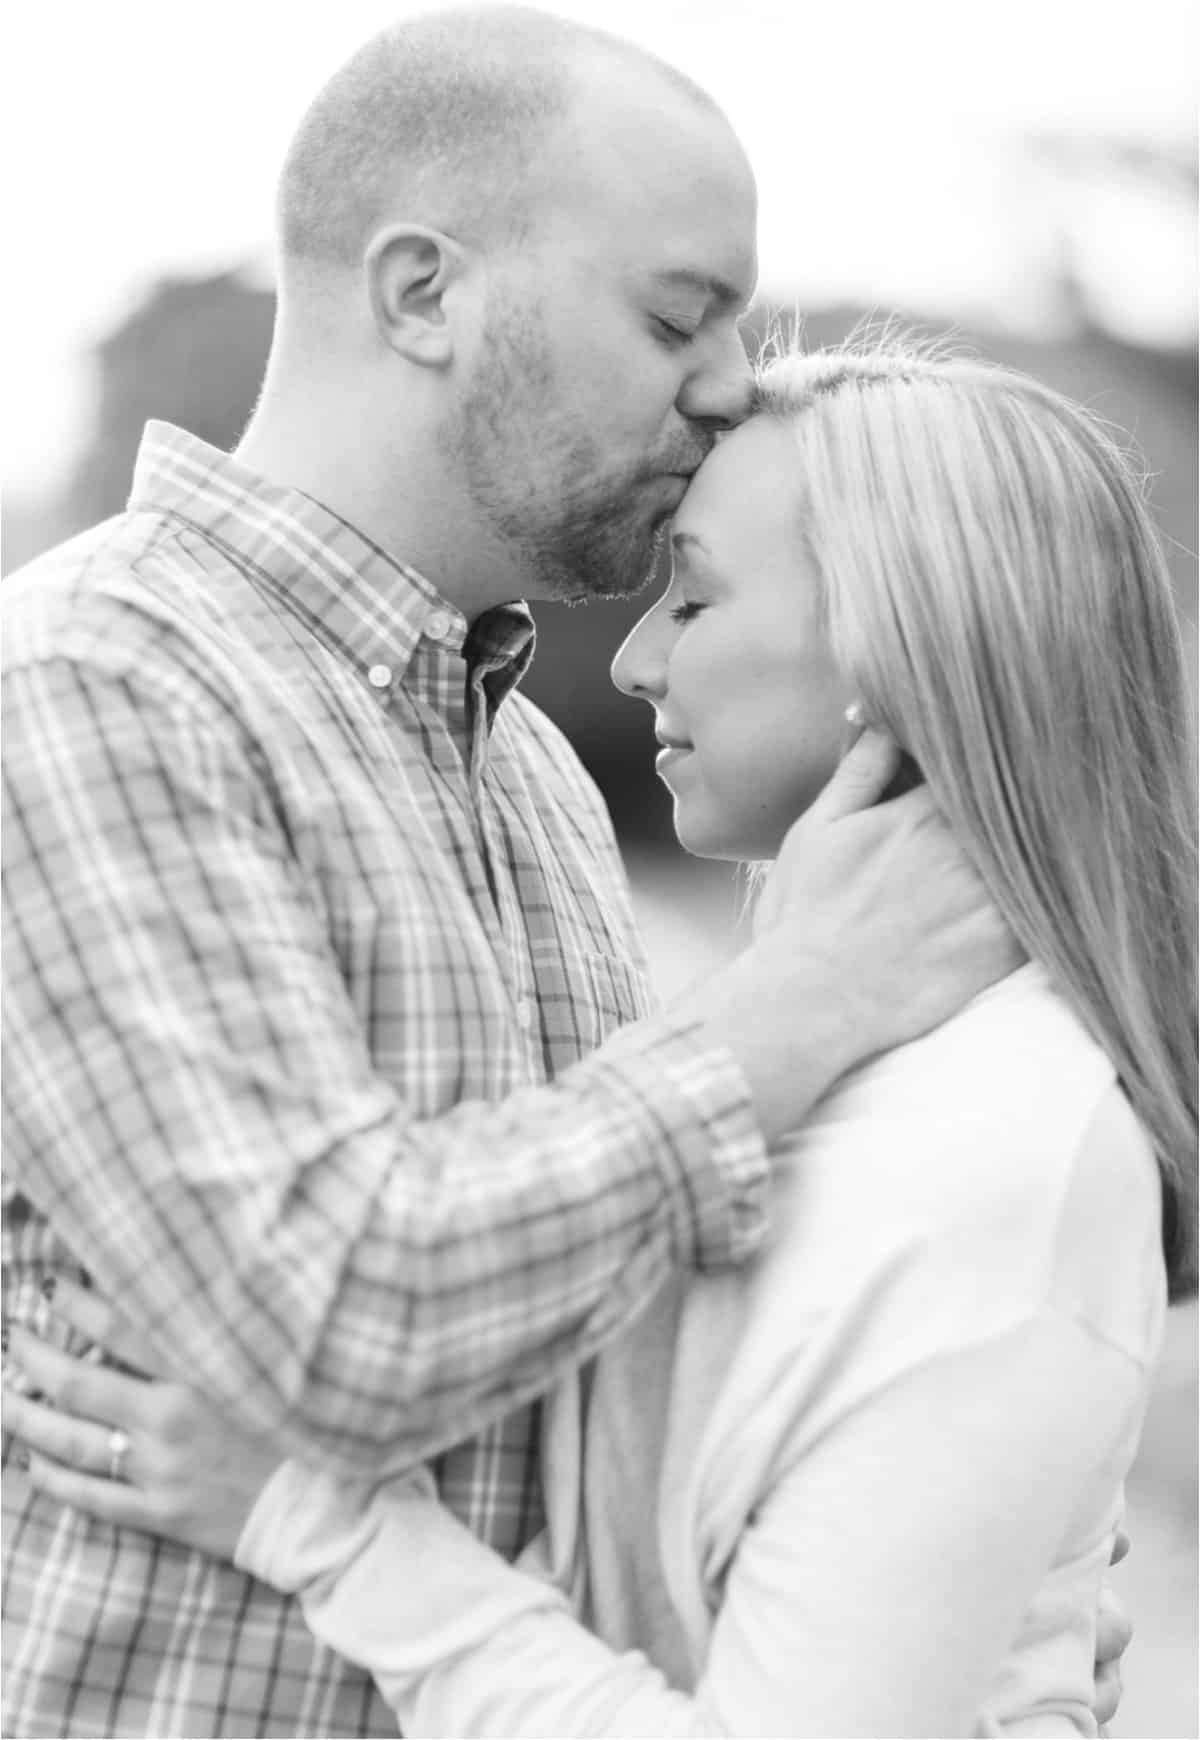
(619, 994)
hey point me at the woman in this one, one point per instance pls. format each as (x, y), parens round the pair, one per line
(869, 1486)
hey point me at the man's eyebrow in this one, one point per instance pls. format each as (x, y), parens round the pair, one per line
(710, 282)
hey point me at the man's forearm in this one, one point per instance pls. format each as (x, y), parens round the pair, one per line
(422, 1278)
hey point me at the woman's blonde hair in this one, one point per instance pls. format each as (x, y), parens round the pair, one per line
(994, 587)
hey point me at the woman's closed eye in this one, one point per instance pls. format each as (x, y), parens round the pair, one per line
(685, 612)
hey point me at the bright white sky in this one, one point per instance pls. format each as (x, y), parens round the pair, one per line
(144, 136)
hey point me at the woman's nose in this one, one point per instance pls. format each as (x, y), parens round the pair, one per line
(639, 668)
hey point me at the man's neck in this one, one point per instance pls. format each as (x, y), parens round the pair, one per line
(405, 505)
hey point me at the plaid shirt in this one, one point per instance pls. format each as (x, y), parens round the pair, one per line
(306, 910)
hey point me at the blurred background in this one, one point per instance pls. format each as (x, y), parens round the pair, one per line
(1024, 175)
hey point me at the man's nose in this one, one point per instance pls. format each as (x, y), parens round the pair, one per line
(719, 396)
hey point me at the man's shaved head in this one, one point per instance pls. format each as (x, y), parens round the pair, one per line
(442, 120)
(513, 255)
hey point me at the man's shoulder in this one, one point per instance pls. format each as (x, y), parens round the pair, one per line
(121, 595)
(97, 554)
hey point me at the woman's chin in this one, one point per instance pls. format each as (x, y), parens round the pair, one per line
(703, 837)
(709, 835)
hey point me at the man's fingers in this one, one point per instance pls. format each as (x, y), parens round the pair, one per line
(862, 777)
(1113, 1629)
(1107, 1695)
(1113, 1632)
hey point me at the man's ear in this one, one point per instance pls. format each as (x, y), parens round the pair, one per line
(409, 269)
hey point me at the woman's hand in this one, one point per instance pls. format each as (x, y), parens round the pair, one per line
(129, 1445)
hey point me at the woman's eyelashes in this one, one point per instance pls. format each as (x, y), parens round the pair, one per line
(685, 611)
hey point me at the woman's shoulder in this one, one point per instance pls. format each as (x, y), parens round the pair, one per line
(991, 1169)
(1016, 1045)
(1109, 1272)
(964, 1190)
(992, 1102)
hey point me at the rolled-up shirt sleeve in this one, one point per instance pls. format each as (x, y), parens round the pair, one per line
(194, 1104)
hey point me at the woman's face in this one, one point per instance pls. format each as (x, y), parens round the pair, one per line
(733, 658)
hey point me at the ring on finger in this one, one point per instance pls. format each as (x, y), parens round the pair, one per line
(118, 1450)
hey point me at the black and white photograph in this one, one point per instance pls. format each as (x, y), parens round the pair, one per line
(599, 863)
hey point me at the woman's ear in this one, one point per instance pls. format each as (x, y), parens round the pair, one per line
(907, 774)
(409, 269)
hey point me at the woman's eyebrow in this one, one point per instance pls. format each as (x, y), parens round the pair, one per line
(684, 543)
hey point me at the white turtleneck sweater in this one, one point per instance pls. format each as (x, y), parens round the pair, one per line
(865, 1486)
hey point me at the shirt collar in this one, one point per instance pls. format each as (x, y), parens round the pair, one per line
(367, 606)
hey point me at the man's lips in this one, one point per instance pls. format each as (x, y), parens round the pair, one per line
(685, 468)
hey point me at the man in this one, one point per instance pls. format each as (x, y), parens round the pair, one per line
(316, 925)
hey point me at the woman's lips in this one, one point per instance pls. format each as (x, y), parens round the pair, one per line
(669, 756)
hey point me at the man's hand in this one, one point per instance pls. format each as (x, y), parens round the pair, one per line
(873, 928)
(1113, 1634)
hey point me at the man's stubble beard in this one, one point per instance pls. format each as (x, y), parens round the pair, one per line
(541, 481)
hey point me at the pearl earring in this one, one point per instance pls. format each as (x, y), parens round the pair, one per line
(855, 714)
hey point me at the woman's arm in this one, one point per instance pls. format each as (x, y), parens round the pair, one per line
(458, 1641)
(880, 1583)
(877, 1590)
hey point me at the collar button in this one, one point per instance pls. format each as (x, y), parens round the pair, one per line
(380, 676)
